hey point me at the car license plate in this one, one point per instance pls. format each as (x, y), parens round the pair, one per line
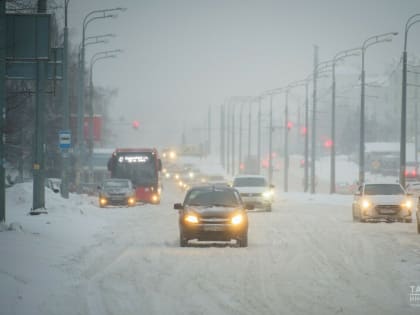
(387, 211)
(213, 228)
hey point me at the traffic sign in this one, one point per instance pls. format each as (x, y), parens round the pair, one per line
(65, 139)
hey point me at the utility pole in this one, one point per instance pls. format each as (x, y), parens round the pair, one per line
(222, 136)
(313, 136)
(38, 201)
(306, 148)
(2, 106)
(240, 136)
(233, 139)
(228, 110)
(209, 132)
(64, 189)
(259, 137)
(249, 129)
(286, 142)
(270, 143)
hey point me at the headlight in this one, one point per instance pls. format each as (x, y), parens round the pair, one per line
(237, 219)
(191, 174)
(407, 204)
(131, 201)
(168, 175)
(102, 201)
(365, 204)
(268, 194)
(191, 218)
(155, 198)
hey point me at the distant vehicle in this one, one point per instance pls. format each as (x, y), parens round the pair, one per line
(250, 165)
(376, 202)
(211, 213)
(345, 188)
(255, 190)
(411, 171)
(116, 191)
(413, 188)
(142, 167)
(216, 180)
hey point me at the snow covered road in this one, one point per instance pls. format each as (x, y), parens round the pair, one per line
(306, 257)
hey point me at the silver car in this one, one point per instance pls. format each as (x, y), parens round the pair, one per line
(115, 191)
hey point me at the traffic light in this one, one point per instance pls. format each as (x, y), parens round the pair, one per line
(136, 124)
(328, 144)
(289, 125)
(303, 130)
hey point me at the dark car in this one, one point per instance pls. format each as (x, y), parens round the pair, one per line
(115, 191)
(213, 213)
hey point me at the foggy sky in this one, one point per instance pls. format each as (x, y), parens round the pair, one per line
(181, 56)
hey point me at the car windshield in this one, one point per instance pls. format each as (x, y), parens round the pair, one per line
(216, 197)
(383, 189)
(116, 184)
(250, 182)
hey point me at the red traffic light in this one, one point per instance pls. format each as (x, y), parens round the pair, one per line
(303, 130)
(328, 143)
(289, 125)
(136, 124)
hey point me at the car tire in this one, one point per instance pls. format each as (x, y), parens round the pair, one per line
(408, 220)
(183, 241)
(268, 208)
(243, 240)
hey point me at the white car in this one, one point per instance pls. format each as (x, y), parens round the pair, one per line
(382, 202)
(255, 190)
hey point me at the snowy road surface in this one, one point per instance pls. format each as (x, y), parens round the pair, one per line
(306, 257)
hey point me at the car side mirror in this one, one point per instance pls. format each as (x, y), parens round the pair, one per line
(178, 206)
(249, 206)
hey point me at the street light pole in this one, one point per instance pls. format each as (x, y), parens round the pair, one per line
(367, 43)
(410, 22)
(270, 143)
(96, 57)
(240, 136)
(259, 136)
(286, 141)
(91, 16)
(64, 189)
(339, 56)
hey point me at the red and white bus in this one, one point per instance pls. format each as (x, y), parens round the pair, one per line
(142, 167)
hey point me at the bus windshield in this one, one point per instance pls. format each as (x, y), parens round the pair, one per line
(140, 167)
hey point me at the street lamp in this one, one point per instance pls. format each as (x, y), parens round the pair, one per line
(386, 37)
(96, 57)
(410, 22)
(271, 93)
(64, 189)
(91, 16)
(339, 56)
(286, 132)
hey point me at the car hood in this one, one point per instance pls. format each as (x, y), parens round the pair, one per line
(386, 199)
(206, 212)
(248, 190)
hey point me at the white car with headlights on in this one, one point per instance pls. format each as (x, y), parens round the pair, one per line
(382, 202)
(255, 191)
